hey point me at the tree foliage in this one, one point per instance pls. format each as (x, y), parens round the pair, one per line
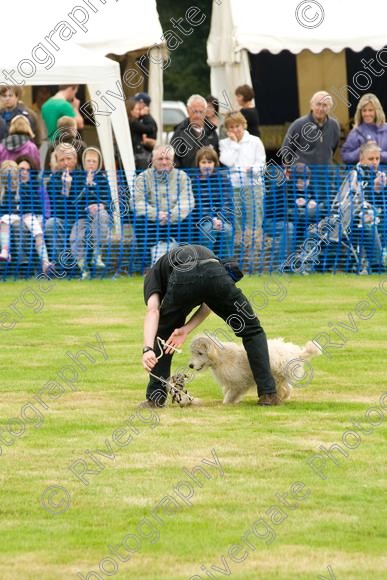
(188, 72)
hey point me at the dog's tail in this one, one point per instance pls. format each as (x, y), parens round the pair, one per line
(310, 350)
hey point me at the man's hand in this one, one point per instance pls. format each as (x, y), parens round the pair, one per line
(90, 178)
(163, 218)
(149, 360)
(148, 141)
(66, 182)
(76, 103)
(217, 224)
(176, 339)
(94, 208)
(379, 181)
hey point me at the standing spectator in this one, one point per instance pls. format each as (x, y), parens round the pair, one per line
(370, 125)
(313, 138)
(162, 200)
(245, 155)
(21, 202)
(19, 141)
(93, 203)
(212, 216)
(245, 98)
(193, 133)
(63, 103)
(212, 114)
(11, 106)
(66, 133)
(145, 116)
(140, 132)
(41, 95)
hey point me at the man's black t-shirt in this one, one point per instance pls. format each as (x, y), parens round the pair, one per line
(181, 258)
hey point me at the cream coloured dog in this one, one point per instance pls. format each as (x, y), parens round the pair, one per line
(229, 364)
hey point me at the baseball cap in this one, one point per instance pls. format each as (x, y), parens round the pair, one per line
(144, 97)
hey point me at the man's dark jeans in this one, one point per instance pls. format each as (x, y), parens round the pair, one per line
(210, 283)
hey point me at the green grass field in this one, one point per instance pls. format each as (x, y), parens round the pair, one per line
(253, 456)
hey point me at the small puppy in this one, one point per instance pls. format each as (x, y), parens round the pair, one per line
(229, 364)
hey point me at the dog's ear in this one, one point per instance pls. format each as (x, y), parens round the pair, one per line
(211, 348)
(199, 344)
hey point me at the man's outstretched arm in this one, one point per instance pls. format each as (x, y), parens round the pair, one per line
(179, 335)
(151, 323)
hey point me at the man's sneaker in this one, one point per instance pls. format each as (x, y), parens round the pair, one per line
(98, 262)
(268, 400)
(5, 256)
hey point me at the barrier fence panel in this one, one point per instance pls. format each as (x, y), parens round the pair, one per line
(303, 219)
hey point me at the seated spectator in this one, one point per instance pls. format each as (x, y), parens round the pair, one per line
(370, 125)
(19, 141)
(355, 214)
(212, 217)
(278, 221)
(25, 162)
(140, 132)
(245, 98)
(63, 186)
(304, 205)
(193, 133)
(146, 118)
(95, 201)
(245, 155)
(161, 202)
(11, 106)
(63, 103)
(21, 202)
(66, 133)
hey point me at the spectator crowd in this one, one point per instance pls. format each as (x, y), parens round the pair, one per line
(210, 185)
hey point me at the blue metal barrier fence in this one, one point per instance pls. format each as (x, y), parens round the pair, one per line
(304, 219)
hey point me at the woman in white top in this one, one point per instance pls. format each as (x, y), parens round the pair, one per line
(245, 156)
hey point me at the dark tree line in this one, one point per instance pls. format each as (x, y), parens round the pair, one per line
(188, 71)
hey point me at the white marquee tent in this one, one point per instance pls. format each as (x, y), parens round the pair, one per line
(49, 39)
(242, 26)
(121, 27)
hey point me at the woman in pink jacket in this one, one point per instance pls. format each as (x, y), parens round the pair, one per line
(19, 141)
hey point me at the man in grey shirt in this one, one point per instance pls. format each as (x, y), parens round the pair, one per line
(313, 138)
(161, 202)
